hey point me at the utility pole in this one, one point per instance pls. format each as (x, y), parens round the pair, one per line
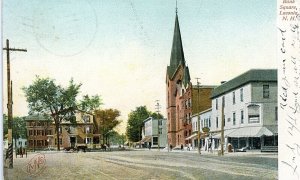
(157, 107)
(9, 102)
(198, 109)
(222, 127)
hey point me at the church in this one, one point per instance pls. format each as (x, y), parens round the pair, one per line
(183, 98)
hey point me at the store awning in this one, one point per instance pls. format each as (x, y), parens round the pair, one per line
(191, 136)
(146, 139)
(226, 132)
(251, 132)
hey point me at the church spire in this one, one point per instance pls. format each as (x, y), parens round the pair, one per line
(176, 9)
(177, 55)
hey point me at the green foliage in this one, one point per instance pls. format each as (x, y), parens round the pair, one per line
(90, 104)
(157, 116)
(107, 120)
(55, 102)
(19, 127)
(51, 100)
(116, 138)
(135, 123)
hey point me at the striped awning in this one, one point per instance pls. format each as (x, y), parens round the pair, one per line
(226, 132)
(251, 132)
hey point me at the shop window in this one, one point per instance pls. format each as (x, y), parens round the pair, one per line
(155, 140)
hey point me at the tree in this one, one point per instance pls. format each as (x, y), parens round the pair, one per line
(54, 101)
(117, 138)
(19, 127)
(135, 123)
(107, 120)
(157, 116)
(90, 104)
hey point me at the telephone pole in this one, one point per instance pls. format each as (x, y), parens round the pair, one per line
(157, 107)
(198, 111)
(222, 127)
(9, 103)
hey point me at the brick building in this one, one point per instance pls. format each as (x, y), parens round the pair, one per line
(42, 134)
(182, 96)
(39, 130)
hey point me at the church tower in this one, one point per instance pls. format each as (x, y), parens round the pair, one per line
(178, 97)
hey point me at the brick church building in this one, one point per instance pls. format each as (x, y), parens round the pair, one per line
(183, 99)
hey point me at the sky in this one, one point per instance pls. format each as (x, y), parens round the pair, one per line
(119, 49)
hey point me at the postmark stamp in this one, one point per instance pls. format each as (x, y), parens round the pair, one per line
(36, 165)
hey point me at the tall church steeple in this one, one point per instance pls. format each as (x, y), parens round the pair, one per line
(177, 54)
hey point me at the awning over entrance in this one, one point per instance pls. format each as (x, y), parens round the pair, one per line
(226, 132)
(146, 139)
(251, 132)
(191, 136)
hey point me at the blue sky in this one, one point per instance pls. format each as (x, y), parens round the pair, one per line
(120, 49)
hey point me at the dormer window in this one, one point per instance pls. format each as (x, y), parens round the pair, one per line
(86, 118)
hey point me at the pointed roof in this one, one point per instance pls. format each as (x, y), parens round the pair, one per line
(186, 76)
(177, 55)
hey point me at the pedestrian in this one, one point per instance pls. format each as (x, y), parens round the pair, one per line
(149, 145)
(181, 147)
(171, 147)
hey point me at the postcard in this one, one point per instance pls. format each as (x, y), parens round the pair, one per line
(158, 89)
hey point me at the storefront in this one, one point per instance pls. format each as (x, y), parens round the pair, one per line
(249, 137)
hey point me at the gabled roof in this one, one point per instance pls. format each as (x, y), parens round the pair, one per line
(177, 54)
(253, 75)
(36, 117)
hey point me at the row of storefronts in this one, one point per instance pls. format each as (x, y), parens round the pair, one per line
(245, 108)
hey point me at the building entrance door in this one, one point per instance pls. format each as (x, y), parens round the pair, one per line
(73, 141)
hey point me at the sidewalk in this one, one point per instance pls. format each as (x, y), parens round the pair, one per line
(215, 152)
